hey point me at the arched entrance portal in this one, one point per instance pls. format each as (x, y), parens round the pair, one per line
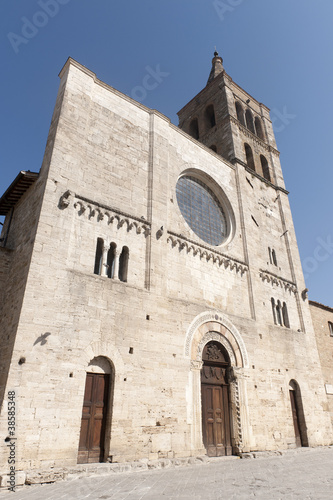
(301, 438)
(96, 411)
(215, 400)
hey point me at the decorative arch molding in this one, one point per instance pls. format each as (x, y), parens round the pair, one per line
(214, 325)
(105, 350)
(219, 338)
(208, 326)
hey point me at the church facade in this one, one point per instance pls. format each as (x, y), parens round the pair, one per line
(154, 304)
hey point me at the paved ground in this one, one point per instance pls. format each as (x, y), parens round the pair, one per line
(306, 475)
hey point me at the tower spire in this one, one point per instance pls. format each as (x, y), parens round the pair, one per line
(217, 67)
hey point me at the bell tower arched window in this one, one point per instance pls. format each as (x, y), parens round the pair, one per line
(249, 121)
(258, 127)
(194, 128)
(265, 168)
(210, 117)
(240, 113)
(249, 157)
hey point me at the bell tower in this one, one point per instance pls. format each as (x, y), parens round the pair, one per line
(232, 123)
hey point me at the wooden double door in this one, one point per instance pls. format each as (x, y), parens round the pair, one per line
(215, 402)
(93, 422)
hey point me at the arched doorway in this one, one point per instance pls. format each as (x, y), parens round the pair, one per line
(216, 431)
(301, 438)
(96, 411)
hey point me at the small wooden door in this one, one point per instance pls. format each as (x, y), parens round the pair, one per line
(215, 402)
(295, 418)
(92, 435)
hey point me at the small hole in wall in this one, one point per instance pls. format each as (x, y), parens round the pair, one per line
(131, 350)
(253, 366)
(260, 336)
(174, 355)
(71, 375)
(22, 361)
(255, 386)
(125, 379)
(147, 317)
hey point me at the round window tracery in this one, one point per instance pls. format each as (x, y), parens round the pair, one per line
(202, 210)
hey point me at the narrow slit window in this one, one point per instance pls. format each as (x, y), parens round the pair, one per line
(99, 256)
(330, 326)
(270, 255)
(285, 315)
(123, 264)
(273, 309)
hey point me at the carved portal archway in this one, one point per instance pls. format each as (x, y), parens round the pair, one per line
(208, 327)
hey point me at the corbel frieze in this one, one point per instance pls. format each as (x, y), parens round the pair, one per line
(288, 286)
(97, 212)
(205, 253)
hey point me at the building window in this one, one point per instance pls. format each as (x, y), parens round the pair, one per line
(240, 113)
(202, 210)
(210, 117)
(249, 121)
(123, 264)
(273, 310)
(280, 313)
(99, 256)
(194, 128)
(249, 157)
(330, 326)
(285, 315)
(258, 127)
(274, 257)
(265, 168)
(111, 260)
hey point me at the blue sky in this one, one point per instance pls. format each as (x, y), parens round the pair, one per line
(280, 51)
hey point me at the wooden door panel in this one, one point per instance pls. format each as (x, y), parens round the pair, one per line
(88, 389)
(92, 434)
(295, 418)
(215, 421)
(84, 434)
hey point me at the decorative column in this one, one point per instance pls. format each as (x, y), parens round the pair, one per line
(194, 413)
(242, 439)
(104, 267)
(116, 264)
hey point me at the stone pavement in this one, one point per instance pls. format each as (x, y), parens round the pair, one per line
(305, 474)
